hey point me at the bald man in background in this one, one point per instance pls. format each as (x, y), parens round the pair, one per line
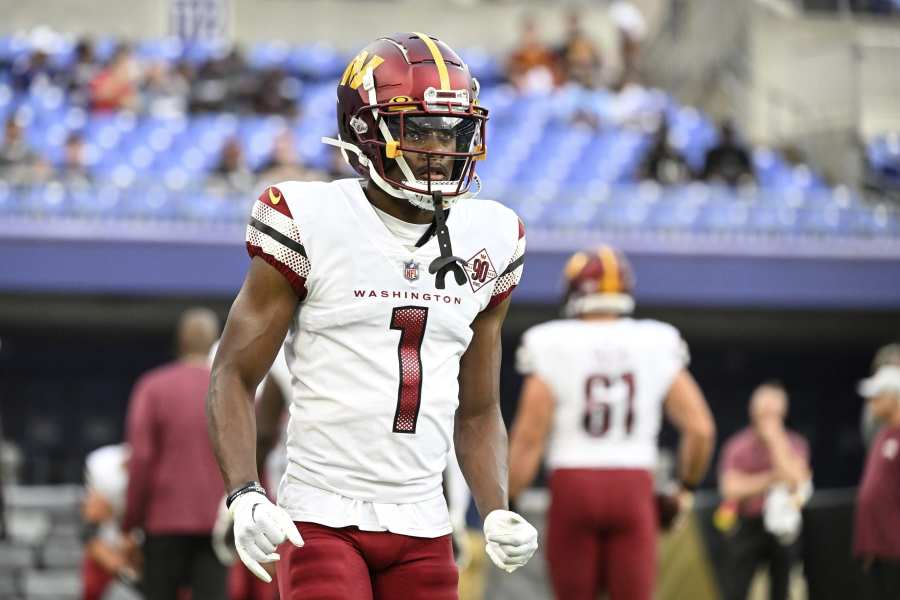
(174, 486)
(754, 462)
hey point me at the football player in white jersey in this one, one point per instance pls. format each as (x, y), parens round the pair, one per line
(108, 553)
(595, 389)
(391, 290)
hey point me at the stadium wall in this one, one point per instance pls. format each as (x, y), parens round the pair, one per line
(820, 83)
(346, 24)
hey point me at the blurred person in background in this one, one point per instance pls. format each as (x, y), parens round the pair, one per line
(32, 71)
(764, 480)
(596, 386)
(877, 528)
(165, 90)
(664, 164)
(115, 87)
(174, 487)
(532, 66)
(729, 160)
(285, 163)
(15, 151)
(276, 94)
(579, 56)
(368, 436)
(223, 84)
(631, 27)
(73, 169)
(869, 424)
(232, 172)
(19, 163)
(82, 72)
(109, 554)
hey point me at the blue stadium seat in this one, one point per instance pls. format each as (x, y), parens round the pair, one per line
(93, 201)
(169, 49)
(198, 51)
(45, 200)
(483, 65)
(8, 199)
(268, 55)
(723, 217)
(316, 62)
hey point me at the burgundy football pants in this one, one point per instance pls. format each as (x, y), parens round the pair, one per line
(602, 533)
(338, 564)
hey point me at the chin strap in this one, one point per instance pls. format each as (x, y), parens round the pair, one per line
(446, 261)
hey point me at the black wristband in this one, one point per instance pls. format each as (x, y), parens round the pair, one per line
(250, 486)
(691, 487)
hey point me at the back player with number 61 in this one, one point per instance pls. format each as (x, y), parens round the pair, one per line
(597, 384)
(389, 293)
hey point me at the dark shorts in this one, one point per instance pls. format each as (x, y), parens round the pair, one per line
(602, 533)
(336, 564)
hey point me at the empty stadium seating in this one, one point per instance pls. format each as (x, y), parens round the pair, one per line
(558, 173)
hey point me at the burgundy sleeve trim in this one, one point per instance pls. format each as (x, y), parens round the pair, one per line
(297, 283)
(495, 300)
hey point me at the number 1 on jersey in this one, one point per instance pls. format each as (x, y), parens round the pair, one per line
(410, 321)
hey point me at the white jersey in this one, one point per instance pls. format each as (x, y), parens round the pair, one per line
(374, 348)
(609, 380)
(106, 474)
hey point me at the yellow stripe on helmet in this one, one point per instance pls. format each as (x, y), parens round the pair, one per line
(575, 265)
(438, 60)
(611, 281)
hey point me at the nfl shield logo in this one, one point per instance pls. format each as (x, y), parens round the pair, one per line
(411, 270)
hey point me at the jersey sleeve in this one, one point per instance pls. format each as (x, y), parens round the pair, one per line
(525, 356)
(532, 353)
(672, 352)
(273, 235)
(512, 273)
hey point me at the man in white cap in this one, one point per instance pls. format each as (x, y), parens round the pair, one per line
(877, 531)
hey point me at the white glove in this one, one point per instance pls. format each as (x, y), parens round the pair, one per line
(511, 540)
(259, 527)
(223, 536)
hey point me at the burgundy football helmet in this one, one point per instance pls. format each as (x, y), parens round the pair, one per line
(409, 100)
(598, 280)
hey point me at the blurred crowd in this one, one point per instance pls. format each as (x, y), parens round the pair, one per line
(223, 83)
(534, 65)
(578, 62)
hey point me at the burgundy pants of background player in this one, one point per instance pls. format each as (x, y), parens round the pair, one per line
(602, 533)
(337, 564)
(94, 579)
(244, 585)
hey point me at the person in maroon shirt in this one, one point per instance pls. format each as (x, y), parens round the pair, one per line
(753, 461)
(174, 486)
(877, 529)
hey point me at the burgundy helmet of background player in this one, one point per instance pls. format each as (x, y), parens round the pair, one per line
(396, 90)
(599, 281)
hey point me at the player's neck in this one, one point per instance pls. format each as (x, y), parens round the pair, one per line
(599, 317)
(396, 207)
(894, 421)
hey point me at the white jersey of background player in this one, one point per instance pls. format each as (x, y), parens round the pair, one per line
(596, 387)
(609, 380)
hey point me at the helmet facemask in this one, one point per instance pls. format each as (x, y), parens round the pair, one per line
(412, 149)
